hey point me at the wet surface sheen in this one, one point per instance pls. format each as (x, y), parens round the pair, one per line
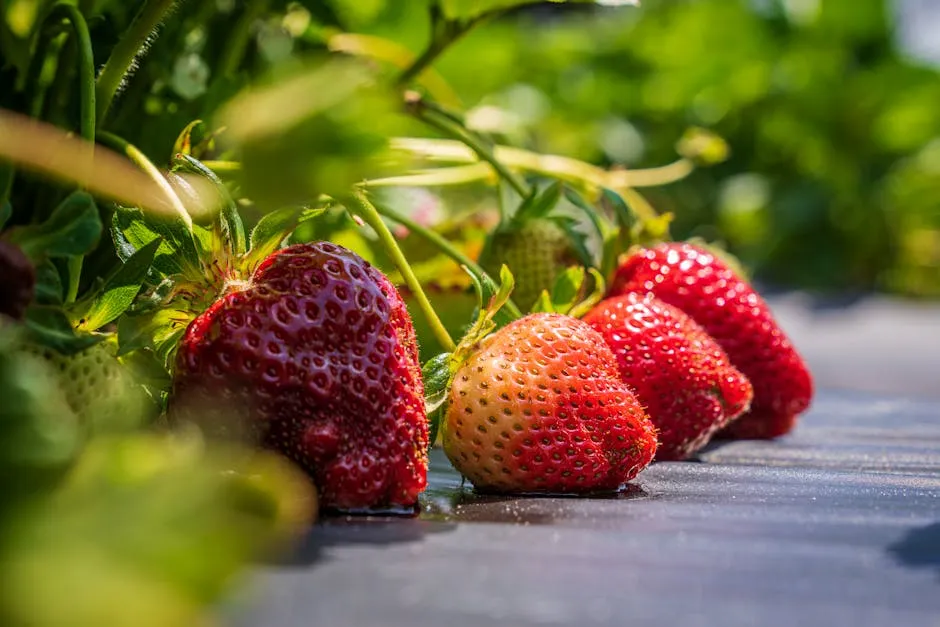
(837, 524)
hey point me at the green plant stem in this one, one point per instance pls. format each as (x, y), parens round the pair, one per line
(86, 65)
(441, 38)
(444, 33)
(441, 244)
(237, 44)
(141, 161)
(86, 80)
(425, 59)
(449, 128)
(132, 44)
(653, 177)
(45, 48)
(358, 204)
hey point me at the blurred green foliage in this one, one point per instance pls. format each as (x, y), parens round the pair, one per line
(833, 177)
(831, 182)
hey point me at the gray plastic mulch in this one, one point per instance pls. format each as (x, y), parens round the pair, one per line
(835, 524)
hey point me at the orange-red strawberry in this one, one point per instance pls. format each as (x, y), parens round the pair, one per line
(682, 377)
(703, 286)
(540, 407)
(318, 351)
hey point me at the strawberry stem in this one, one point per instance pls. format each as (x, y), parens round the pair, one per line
(134, 42)
(444, 32)
(359, 204)
(653, 177)
(86, 80)
(449, 127)
(86, 62)
(140, 160)
(441, 244)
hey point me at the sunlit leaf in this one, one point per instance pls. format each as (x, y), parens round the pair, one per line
(119, 290)
(49, 326)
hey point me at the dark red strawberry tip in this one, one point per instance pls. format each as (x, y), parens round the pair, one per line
(17, 281)
(682, 377)
(317, 355)
(703, 286)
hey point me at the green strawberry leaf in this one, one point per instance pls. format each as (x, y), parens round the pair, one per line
(49, 326)
(568, 286)
(576, 238)
(543, 304)
(6, 210)
(488, 316)
(119, 291)
(159, 330)
(574, 293)
(148, 370)
(626, 218)
(184, 142)
(624, 238)
(177, 254)
(538, 205)
(74, 228)
(273, 229)
(586, 300)
(49, 288)
(602, 227)
(437, 373)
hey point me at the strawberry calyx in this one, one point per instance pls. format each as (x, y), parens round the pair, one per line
(439, 371)
(575, 292)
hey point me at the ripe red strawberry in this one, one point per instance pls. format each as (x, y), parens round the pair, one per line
(540, 407)
(320, 352)
(703, 286)
(682, 377)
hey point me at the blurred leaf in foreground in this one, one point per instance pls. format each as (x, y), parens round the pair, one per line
(318, 132)
(147, 531)
(39, 434)
(139, 530)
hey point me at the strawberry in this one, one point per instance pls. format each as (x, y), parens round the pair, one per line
(535, 250)
(317, 351)
(97, 388)
(707, 289)
(17, 280)
(679, 373)
(539, 406)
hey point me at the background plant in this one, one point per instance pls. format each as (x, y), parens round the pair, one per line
(406, 131)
